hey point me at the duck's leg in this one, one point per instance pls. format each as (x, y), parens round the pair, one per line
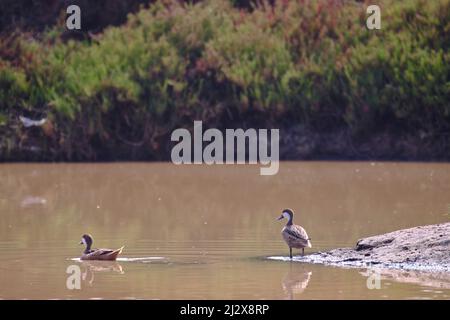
(303, 252)
(290, 252)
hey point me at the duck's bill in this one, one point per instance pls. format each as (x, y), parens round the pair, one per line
(81, 242)
(281, 217)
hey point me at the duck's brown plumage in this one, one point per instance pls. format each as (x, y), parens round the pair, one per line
(101, 254)
(296, 237)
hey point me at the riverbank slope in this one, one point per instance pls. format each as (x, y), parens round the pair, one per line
(424, 248)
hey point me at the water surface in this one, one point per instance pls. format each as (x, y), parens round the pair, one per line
(200, 232)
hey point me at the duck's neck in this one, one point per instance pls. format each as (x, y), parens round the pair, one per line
(289, 223)
(88, 248)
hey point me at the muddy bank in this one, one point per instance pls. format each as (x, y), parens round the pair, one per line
(424, 248)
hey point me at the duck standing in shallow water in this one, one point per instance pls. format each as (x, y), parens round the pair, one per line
(97, 254)
(295, 236)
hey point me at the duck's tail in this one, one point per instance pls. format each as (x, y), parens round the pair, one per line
(115, 253)
(119, 251)
(309, 243)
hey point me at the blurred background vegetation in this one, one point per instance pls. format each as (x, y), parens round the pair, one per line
(139, 69)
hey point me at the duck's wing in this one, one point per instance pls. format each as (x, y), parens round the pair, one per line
(299, 234)
(102, 254)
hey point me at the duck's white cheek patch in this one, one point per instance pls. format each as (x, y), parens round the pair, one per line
(286, 215)
(84, 241)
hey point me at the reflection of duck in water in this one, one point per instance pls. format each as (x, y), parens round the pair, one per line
(295, 281)
(92, 267)
(97, 254)
(295, 236)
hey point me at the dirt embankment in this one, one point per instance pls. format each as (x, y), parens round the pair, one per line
(424, 248)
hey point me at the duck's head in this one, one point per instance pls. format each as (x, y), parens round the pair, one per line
(287, 213)
(86, 239)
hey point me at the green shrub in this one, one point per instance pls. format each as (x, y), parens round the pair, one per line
(294, 62)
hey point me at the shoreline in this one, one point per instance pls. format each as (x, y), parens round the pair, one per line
(422, 248)
(296, 143)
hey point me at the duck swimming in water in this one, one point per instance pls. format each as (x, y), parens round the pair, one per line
(97, 254)
(295, 236)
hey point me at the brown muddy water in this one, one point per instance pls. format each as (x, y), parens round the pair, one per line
(199, 232)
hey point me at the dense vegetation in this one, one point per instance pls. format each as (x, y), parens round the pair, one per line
(118, 94)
